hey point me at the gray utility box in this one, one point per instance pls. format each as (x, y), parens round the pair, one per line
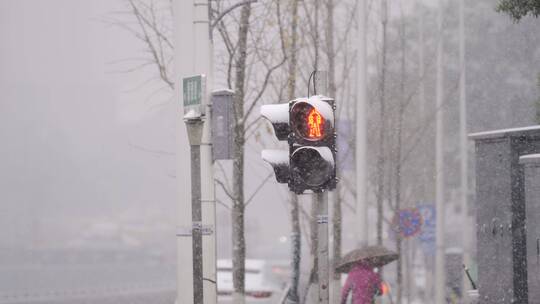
(501, 212)
(223, 124)
(531, 164)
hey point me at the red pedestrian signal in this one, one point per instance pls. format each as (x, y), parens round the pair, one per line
(312, 119)
(308, 126)
(315, 123)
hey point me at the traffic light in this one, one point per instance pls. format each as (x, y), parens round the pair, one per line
(309, 127)
(312, 144)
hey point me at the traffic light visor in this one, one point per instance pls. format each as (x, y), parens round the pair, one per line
(278, 115)
(313, 165)
(279, 160)
(308, 120)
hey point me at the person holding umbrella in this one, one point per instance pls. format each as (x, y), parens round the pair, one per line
(363, 282)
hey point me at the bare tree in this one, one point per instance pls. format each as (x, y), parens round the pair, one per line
(296, 236)
(254, 43)
(248, 66)
(152, 25)
(250, 86)
(382, 129)
(332, 90)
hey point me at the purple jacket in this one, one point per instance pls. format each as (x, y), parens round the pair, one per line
(364, 284)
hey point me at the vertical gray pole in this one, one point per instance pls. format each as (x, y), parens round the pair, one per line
(463, 145)
(440, 281)
(361, 129)
(204, 65)
(296, 240)
(195, 130)
(382, 128)
(321, 203)
(422, 95)
(184, 66)
(196, 214)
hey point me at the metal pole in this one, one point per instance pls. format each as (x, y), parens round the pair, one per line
(321, 203)
(183, 57)
(463, 144)
(296, 240)
(194, 127)
(194, 56)
(361, 168)
(421, 92)
(382, 127)
(203, 65)
(196, 215)
(440, 283)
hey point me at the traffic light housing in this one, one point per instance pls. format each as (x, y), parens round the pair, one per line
(312, 144)
(308, 125)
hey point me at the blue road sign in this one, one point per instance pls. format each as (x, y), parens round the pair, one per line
(409, 221)
(427, 233)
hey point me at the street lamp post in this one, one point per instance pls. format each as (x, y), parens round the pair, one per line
(194, 127)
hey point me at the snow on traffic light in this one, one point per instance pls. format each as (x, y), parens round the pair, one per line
(308, 125)
(278, 115)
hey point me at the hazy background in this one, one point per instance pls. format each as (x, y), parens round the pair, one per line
(88, 150)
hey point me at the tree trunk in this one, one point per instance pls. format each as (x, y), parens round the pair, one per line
(336, 218)
(401, 110)
(296, 236)
(293, 59)
(238, 238)
(336, 225)
(296, 244)
(382, 124)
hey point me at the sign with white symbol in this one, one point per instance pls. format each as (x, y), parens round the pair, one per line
(408, 222)
(194, 94)
(322, 219)
(197, 226)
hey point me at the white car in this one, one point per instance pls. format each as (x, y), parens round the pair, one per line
(261, 286)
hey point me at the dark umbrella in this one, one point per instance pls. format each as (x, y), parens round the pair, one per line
(374, 256)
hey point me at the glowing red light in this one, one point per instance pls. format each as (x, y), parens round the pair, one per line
(314, 123)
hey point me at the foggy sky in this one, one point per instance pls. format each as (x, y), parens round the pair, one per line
(70, 125)
(76, 134)
(67, 121)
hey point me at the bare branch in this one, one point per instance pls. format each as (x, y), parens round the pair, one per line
(148, 150)
(223, 204)
(220, 167)
(225, 189)
(228, 10)
(272, 69)
(153, 49)
(259, 188)
(254, 123)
